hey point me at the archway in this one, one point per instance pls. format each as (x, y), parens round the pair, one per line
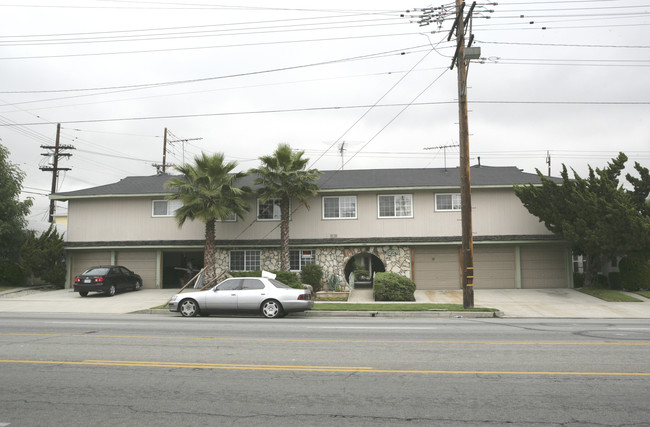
(364, 265)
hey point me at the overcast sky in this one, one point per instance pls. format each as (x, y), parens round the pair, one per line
(567, 78)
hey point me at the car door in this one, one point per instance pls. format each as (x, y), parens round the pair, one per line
(252, 293)
(128, 278)
(223, 297)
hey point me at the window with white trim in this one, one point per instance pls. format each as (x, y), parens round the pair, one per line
(231, 218)
(395, 205)
(245, 260)
(269, 210)
(298, 258)
(165, 207)
(340, 207)
(448, 202)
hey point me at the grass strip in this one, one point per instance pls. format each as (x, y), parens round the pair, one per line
(609, 295)
(395, 307)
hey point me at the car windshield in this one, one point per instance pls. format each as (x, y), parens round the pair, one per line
(101, 271)
(278, 284)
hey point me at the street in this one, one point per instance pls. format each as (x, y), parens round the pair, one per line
(71, 369)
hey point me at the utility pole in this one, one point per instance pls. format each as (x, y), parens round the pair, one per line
(161, 168)
(461, 60)
(548, 162)
(56, 153)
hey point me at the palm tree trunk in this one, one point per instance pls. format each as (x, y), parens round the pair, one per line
(209, 254)
(284, 234)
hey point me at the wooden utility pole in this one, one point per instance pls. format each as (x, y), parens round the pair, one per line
(55, 164)
(461, 60)
(467, 245)
(164, 164)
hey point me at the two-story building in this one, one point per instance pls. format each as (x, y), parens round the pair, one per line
(405, 221)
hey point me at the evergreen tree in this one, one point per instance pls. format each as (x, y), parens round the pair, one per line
(44, 256)
(12, 210)
(599, 218)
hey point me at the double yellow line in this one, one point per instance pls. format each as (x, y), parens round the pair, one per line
(303, 368)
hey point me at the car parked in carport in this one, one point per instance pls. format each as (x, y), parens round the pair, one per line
(269, 297)
(107, 279)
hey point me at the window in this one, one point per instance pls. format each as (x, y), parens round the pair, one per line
(165, 207)
(230, 285)
(395, 205)
(252, 284)
(269, 210)
(244, 260)
(340, 207)
(231, 218)
(448, 202)
(298, 258)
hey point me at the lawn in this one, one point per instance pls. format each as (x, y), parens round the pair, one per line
(609, 295)
(395, 307)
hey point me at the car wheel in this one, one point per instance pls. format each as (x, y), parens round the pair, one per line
(138, 286)
(83, 293)
(271, 309)
(188, 308)
(111, 291)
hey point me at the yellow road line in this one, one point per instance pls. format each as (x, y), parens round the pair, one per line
(347, 369)
(605, 343)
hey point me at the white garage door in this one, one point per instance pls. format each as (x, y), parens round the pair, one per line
(142, 262)
(544, 266)
(82, 261)
(436, 267)
(494, 267)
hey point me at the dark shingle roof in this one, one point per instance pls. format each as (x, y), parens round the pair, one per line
(341, 180)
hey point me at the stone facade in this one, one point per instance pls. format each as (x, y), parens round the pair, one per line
(333, 260)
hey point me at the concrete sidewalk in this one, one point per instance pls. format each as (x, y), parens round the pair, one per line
(540, 303)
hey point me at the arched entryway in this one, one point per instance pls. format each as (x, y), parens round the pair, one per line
(364, 265)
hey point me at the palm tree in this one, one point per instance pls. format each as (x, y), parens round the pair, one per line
(208, 193)
(283, 176)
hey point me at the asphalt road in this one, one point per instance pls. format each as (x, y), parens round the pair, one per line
(127, 370)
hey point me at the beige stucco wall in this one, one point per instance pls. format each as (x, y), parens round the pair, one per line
(495, 212)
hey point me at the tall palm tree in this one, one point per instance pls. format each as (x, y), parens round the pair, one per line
(208, 192)
(283, 176)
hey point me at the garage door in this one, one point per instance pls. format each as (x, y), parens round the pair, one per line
(436, 267)
(82, 261)
(494, 267)
(544, 266)
(142, 262)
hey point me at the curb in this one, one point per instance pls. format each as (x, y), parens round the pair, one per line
(322, 313)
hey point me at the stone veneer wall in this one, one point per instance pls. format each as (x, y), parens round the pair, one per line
(396, 259)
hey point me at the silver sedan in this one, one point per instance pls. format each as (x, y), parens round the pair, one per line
(269, 297)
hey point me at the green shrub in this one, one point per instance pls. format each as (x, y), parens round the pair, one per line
(312, 274)
(578, 280)
(393, 287)
(615, 280)
(286, 277)
(11, 273)
(635, 272)
(601, 281)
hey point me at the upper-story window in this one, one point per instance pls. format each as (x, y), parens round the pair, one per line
(448, 202)
(165, 207)
(340, 207)
(269, 210)
(395, 205)
(231, 218)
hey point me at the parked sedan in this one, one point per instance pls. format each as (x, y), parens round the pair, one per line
(269, 297)
(107, 279)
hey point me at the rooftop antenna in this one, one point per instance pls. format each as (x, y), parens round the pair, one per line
(444, 150)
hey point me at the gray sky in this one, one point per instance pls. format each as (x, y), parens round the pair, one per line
(247, 75)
